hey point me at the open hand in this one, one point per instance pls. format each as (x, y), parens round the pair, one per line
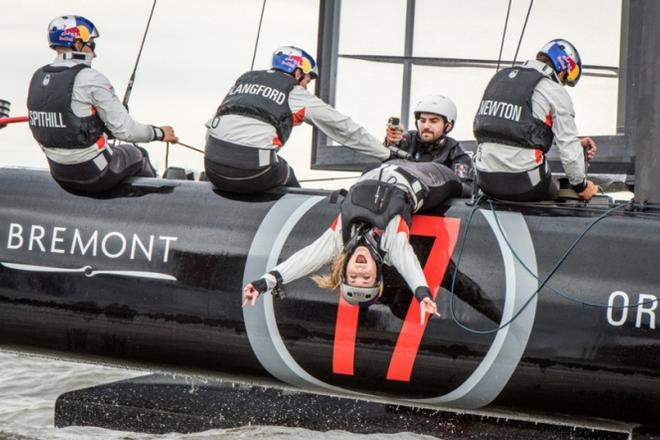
(250, 295)
(427, 307)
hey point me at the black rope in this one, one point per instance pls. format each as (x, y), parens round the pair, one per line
(543, 283)
(506, 24)
(515, 57)
(256, 43)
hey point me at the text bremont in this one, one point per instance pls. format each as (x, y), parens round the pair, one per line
(113, 244)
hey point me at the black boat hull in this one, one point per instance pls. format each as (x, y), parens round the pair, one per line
(153, 273)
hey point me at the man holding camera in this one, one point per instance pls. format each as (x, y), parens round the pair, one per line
(435, 116)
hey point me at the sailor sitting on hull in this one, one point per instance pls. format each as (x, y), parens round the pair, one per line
(524, 111)
(256, 118)
(71, 108)
(372, 229)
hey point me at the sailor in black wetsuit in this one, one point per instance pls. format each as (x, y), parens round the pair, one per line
(372, 229)
(72, 107)
(435, 117)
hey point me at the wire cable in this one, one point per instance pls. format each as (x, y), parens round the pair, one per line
(543, 282)
(522, 33)
(328, 179)
(190, 147)
(506, 24)
(131, 80)
(256, 43)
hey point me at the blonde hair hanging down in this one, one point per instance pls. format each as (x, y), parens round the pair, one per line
(332, 280)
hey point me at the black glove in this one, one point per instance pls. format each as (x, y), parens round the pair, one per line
(398, 153)
(260, 285)
(422, 292)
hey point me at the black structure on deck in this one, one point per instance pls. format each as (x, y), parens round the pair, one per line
(639, 94)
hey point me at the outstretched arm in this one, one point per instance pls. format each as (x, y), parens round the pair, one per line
(307, 260)
(401, 255)
(336, 125)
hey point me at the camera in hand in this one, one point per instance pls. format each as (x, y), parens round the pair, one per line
(394, 123)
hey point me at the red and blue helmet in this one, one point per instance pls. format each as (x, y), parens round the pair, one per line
(289, 58)
(565, 58)
(65, 30)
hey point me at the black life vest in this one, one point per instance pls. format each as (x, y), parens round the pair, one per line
(505, 112)
(427, 152)
(262, 95)
(374, 203)
(53, 123)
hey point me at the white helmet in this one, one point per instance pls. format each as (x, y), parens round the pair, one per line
(437, 104)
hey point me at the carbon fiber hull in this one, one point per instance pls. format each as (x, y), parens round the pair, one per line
(152, 275)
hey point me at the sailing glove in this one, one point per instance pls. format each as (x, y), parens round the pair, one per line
(422, 292)
(271, 282)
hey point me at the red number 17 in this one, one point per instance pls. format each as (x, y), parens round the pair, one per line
(445, 230)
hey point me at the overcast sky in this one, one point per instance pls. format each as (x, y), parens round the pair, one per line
(195, 50)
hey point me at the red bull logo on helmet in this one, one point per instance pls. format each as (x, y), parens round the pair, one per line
(292, 61)
(70, 34)
(573, 69)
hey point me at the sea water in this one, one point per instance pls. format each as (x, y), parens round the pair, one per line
(30, 385)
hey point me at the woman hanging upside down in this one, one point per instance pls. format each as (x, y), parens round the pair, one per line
(372, 229)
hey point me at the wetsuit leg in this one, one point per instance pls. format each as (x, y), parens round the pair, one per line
(442, 184)
(290, 179)
(439, 181)
(518, 187)
(127, 160)
(243, 181)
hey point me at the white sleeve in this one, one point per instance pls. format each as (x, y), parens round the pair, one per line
(401, 255)
(336, 125)
(112, 112)
(566, 133)
(312, 257)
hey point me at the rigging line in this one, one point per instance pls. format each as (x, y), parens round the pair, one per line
(543, 283)
(556, 291)
(167, 151)
(506, 23)
(327, 179)
(129, 87)
(167, 155)
(522, 33)
(256, 43)
(199, 150)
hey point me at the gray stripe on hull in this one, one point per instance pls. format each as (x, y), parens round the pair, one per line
(504, 354)
(260, 323)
